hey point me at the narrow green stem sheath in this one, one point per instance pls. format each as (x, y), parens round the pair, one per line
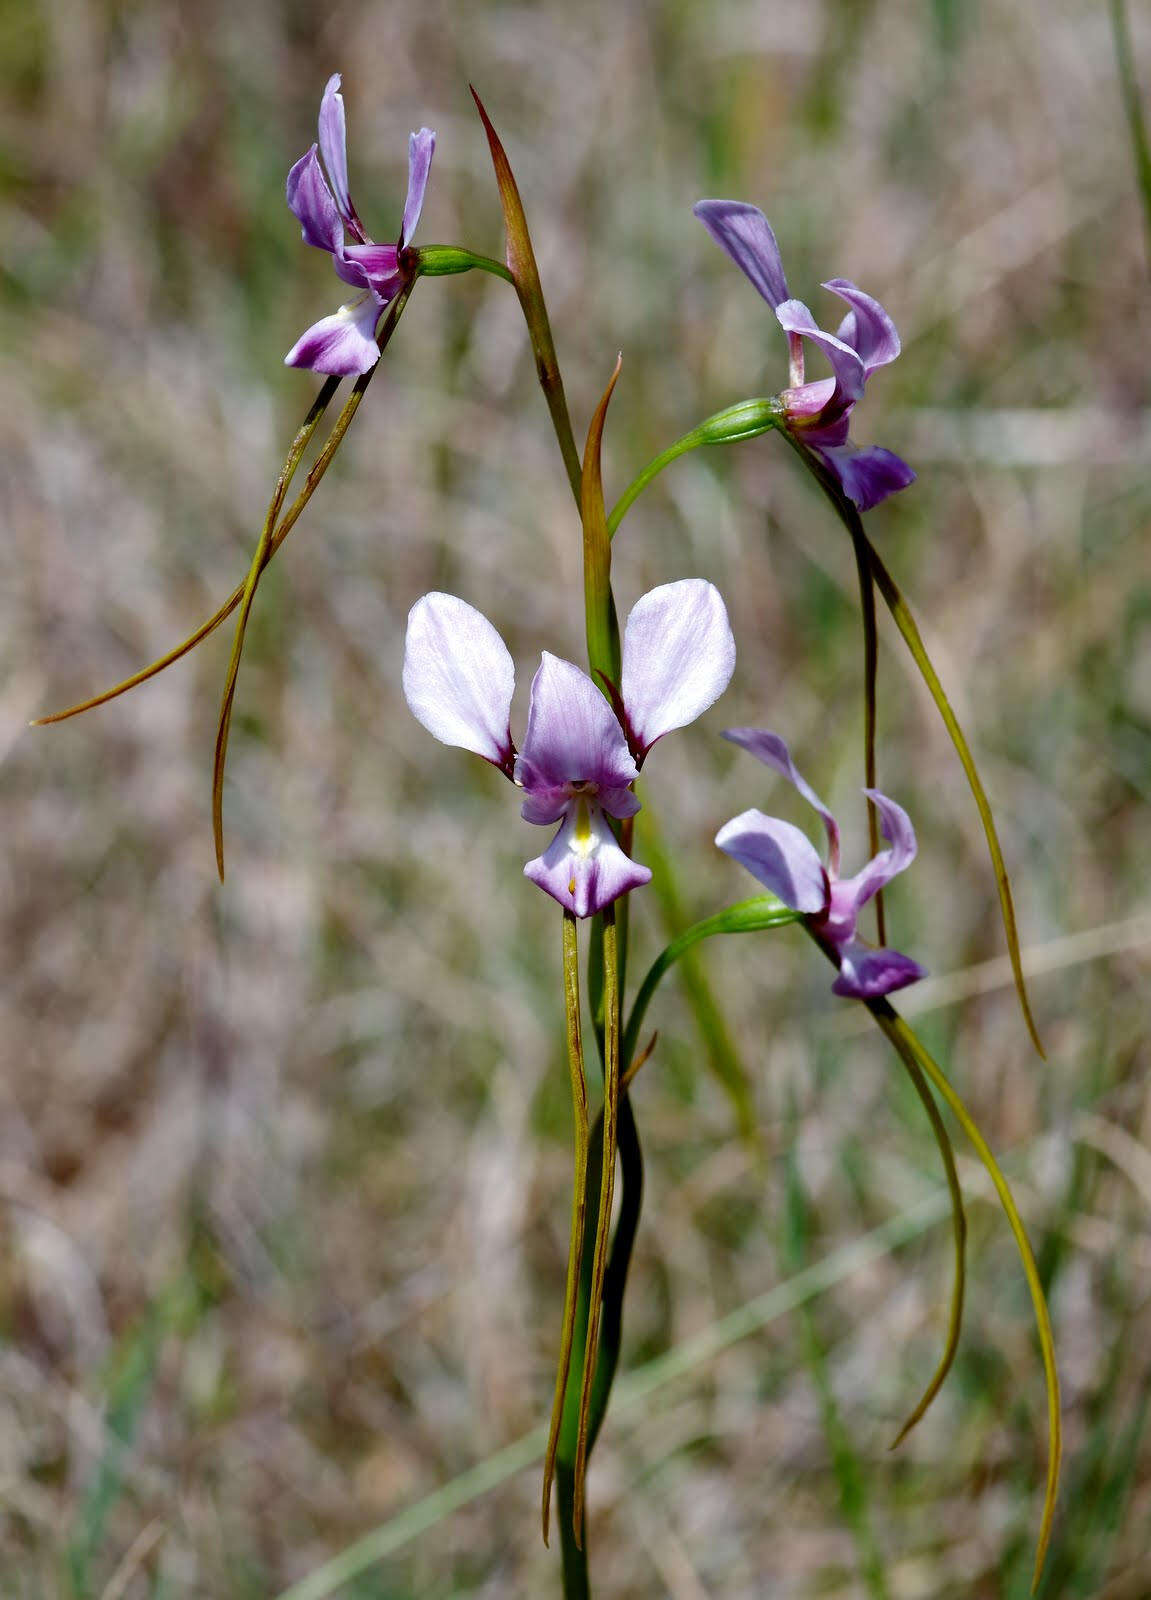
(607, 1188)
(575, 1564)
(908, 1045)
(579, 1197)
(444, 260)
(1133, 106)
(261, 559)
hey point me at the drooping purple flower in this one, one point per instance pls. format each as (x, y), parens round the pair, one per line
(344, 344)
(580, 758)
(818, 413)
(786, 862)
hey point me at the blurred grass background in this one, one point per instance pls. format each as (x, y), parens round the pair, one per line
(284, 1165)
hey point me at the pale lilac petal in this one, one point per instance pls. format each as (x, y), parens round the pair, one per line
(547, 805)
(745, 234)
(783, 859)
(866, 475)
(866, 328)
(678, 658)
(371, 266)
(334, 145)
(805, 402)
(459, 677)
(342, 345)
(794, 317)
(773, 752)
(573, 734)
(880, 870)
(866, 974)
(583, 867)
(421, 148)
(312, 205)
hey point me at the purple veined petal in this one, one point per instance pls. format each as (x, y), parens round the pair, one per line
(342, 345)
(459, 677)
(373, 266)
(783, 859)
(311, 203)
(546, 805)
(678, 658)
(866, 974)
(866, 475)
(880, 870)
(746, 235)
(583, 867)
(573, 735)
(421, 148)
(773, 752)
(866, 328)
(334, 148)
(794, 317)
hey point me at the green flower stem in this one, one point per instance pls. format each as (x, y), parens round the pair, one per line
(573, 1549)
(444, 260)
(909, 1046)
(1133, 106)
(870, 675)
(263, 556)
(747, 420)
(579, 1199)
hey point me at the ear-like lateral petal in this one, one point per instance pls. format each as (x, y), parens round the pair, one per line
(783, 859)
(583, 867)
(344, 344)
(573, 735)
(773, 752)
(880, 870)
(794, 317)
(866, 328)
(311, 203)
(459, 677)
(746, 235)
(866, 475)
(421, 148)
(678, 657)
(866, 974)
(334, 144)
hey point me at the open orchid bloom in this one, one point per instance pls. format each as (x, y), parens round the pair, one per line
(580, 758)
(786, 862)
(344, 344)
(818, 413)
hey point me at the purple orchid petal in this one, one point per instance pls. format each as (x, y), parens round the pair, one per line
(866, 974)
(342, 345)
(421, 148)
(773, 752)
(573, 736)
(880, 870)
(866, 475)
(371, 266)
(312, 205)
(545, 805)
(583, 867)
(334, 147)
(746, 235)
(783, 859)
(794, 317)
(805, 402)
(866, 328)
(459, 677)
(678, 658)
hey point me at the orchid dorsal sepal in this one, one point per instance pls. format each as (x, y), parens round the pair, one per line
(575, 767)
(444, 260)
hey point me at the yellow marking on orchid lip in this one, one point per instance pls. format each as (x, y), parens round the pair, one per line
(571, 886)
(582, 836)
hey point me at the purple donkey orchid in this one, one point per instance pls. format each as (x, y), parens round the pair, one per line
(818, 413)
(579, 758)
(787, 863)
(344, 344)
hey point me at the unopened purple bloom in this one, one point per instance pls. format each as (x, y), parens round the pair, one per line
(344, 344)
(818, 413)
(580, 758)
(786, 862)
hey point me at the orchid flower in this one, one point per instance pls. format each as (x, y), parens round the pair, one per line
(580, 757)
(818, 413)
(344, 344)
(787, 863)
